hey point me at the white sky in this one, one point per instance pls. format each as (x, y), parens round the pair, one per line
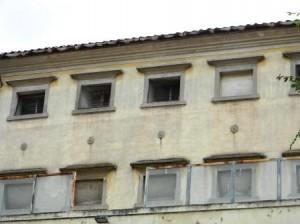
(27, 24)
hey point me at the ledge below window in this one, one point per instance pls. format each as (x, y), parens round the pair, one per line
(27, 117)
(164, 104)
(234, 98)
(90, 207)
(93, 110)
(294, 93)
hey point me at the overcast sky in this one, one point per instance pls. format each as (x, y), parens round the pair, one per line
(27, 24)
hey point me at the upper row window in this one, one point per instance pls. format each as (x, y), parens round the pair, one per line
(235, 79)
(164, 85)
(29, 98)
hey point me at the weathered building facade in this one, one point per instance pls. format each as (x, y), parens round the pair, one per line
(183, 128)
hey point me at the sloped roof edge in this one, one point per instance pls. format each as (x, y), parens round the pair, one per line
(127, 41)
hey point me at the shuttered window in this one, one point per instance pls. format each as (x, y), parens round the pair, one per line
(164, 89)
(95, 96)
(30, 103)
(238, 83)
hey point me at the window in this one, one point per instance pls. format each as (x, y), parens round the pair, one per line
(28, 195)
(30, 98)
(162, 187)
(294, 58)
(298, 178)
(95, 92)
(236, 83)
(17, 196)
(235, 79)
(30, 103)
(224, 183)
(237, 187)
(94, 96)
(89, 192)
(164, 85)
(163, 89)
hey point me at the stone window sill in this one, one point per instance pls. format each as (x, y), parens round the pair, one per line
(234, 98)
(27, 117)
(164, 104)
(90, 207)
(93, 110)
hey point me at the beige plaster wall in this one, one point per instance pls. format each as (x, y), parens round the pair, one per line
(198, 129)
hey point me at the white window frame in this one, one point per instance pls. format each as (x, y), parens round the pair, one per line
(153, 172)
(4, 211)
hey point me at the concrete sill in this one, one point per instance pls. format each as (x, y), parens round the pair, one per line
(90, 207)
(294, 93)
(93, 110)
(234, 98)
(27, 117)
(163, 104)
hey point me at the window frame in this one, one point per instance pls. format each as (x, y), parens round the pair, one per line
(29, 89)
(294, 63)
(141, 189)
(161, 72)
(176, 201)
(17, 211)
(96, 78)
(232, 197)
(235, 65)
(294, 193)
(103, 204)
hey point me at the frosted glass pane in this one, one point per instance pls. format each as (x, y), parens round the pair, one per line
(161, 187)
(52, 193)
(236, 83)
(18, 196)
(243, 182)
(224, 183)
(298, 179)
(89, 192)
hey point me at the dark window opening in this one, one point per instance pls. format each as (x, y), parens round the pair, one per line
(164, 89)
(30, 103)
(298, 71)
(94, 96)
